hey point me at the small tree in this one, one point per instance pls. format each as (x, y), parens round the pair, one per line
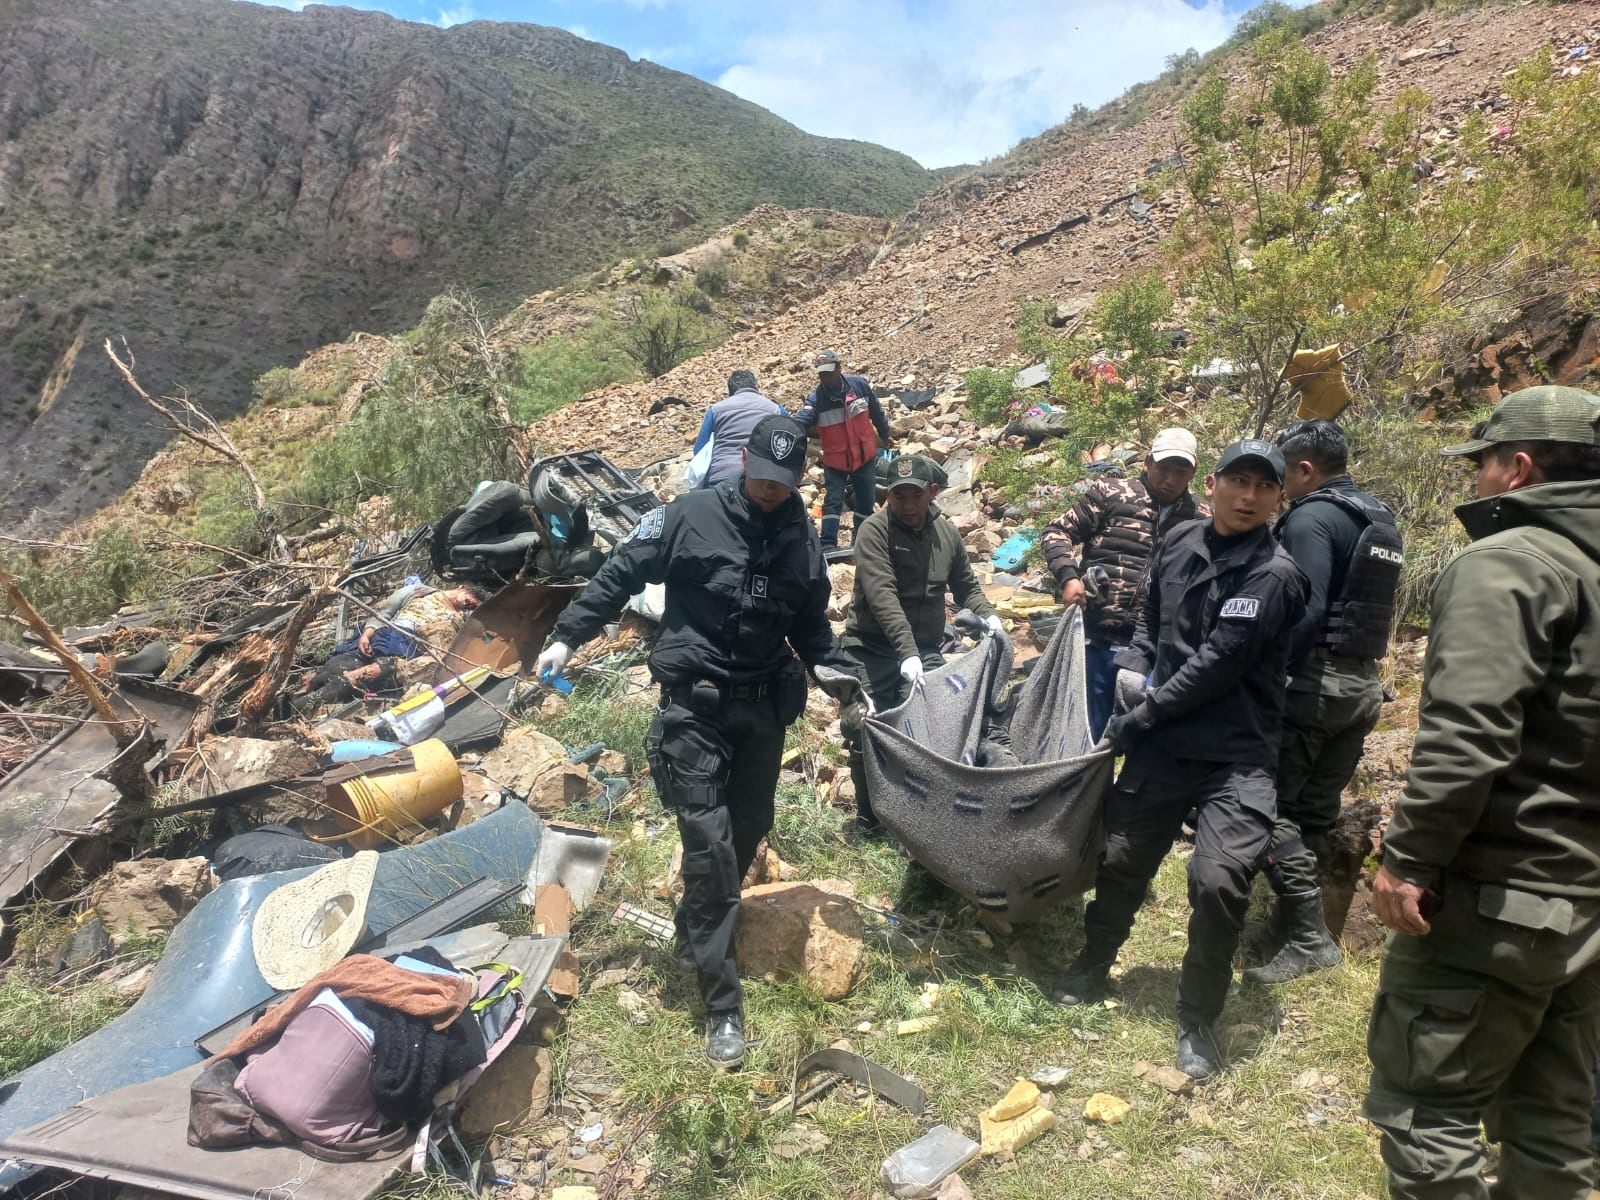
(660, 331)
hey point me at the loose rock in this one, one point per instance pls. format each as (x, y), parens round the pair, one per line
(803, 930)
(149, 896)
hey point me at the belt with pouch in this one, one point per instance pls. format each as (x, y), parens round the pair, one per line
(683, 693)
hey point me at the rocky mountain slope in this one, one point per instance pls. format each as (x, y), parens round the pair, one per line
(229, 185)
(1057, 231)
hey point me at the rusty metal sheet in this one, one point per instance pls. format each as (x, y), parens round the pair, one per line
(55, 793)
(508, 630)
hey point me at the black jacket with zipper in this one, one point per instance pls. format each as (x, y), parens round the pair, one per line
(743, 587)
(1215, 628)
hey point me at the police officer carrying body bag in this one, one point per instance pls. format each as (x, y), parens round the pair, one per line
(746, 591)
(1221, 599)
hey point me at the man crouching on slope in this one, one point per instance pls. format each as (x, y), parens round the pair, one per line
(1221, 602)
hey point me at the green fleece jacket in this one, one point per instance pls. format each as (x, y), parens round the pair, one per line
(1504, 785)
(901, 578)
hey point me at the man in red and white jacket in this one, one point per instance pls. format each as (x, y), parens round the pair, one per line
(849, 422)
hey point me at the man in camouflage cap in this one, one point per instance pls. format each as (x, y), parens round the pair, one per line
(1488, 1006)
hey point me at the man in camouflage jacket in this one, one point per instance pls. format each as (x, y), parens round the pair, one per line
(1117, 527)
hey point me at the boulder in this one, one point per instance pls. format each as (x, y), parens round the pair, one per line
(136, 899)
(514, 1090)
(803, 930)
(225, 763)
(535, 766)
(983, 541)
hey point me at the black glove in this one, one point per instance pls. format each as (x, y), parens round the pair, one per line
(1124, 729)
(853, 719)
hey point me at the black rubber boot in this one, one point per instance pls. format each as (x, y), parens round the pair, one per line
(725, 1039)
(1261, 940)
(1307, 948)
(1084, 982)
(1198, 1056)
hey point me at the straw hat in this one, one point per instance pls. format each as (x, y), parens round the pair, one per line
(308, 924)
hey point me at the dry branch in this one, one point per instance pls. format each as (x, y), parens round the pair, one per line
(123, 731)
(258, 700)
(199, 426)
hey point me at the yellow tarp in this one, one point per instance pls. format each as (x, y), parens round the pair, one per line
(1320, 377)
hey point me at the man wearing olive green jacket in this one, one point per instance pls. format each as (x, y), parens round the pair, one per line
(907, 557)
(1488, 1007)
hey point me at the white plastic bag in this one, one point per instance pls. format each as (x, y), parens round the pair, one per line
(700, 464)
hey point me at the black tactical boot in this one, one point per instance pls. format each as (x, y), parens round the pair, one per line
(725, 1039)
(1083, 982)
(1308, 946)
(1198, 1056)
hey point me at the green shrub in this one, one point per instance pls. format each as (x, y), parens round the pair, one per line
(430, 432)
(71, 587)
(711, 277)
(278, 386)
(741, 238)
(1132, 318)
(426, 453)
(990, 394)
(658, 331)
(555, 371)
(225, 516)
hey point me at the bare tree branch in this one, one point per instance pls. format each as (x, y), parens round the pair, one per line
(195, 423)
(123, 731)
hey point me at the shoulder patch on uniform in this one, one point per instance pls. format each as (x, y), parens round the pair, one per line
(649, 529)
(1240, 608)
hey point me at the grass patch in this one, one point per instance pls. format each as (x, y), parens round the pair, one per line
(1268, 1128)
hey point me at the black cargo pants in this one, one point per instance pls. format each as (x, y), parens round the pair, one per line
(1332, 706)
(1143, 815)
(717, 770)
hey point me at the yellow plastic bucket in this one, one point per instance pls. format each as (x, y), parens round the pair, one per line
(388, 805)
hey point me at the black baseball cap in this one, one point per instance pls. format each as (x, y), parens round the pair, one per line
(777, 450)
(1256, 455)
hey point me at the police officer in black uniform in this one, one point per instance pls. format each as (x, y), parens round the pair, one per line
(746, 590)
(1220, 602)
(1350, 549)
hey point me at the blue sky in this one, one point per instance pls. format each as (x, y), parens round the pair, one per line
(945, 81)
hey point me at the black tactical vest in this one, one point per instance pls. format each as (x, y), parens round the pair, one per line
(1360, 616)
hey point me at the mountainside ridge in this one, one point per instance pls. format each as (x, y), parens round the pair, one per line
(230, 185)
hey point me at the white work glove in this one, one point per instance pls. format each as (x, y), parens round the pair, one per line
(994, 625)
(911, 671)
(553, 661)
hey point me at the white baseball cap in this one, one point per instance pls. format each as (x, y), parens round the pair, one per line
(1175, 443)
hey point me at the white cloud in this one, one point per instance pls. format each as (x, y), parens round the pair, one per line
(956, 81)
(454, 16)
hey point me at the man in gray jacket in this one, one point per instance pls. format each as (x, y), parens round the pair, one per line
(727, 427)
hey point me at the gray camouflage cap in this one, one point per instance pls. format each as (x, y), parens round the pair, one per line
(1537, 414)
